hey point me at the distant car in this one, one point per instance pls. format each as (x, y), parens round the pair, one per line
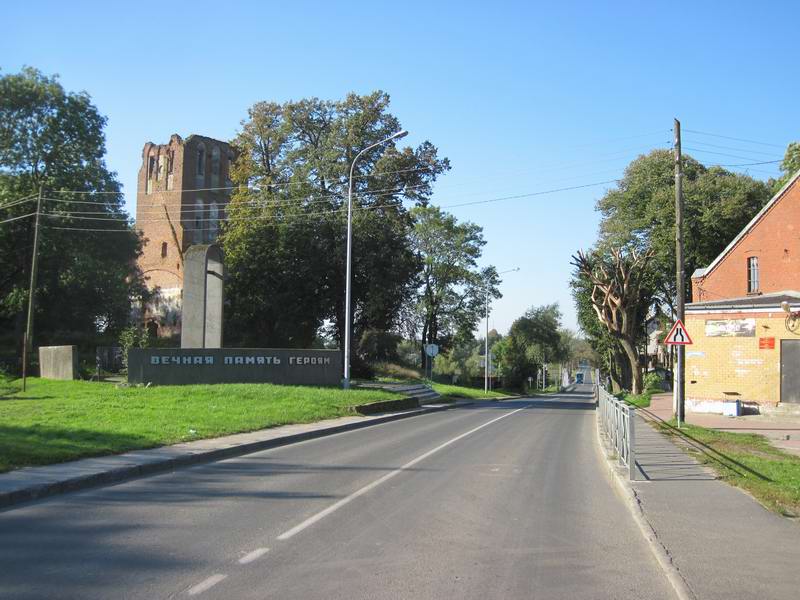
(579, 378)
(664, 376)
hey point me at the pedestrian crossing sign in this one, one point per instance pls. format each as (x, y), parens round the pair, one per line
(678, 336)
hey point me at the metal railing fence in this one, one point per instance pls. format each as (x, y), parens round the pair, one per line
(617, 418)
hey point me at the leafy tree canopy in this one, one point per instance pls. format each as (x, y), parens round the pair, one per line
(285, 239)
(454, 290)
(790, 166)
(640, 213)
(87, 280)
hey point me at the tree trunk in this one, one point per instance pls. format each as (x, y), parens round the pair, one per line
(424, 340)
(629, 346)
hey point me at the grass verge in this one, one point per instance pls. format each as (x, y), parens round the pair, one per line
(453, 392)
(747, 461)
(57, 421)
(640, 400)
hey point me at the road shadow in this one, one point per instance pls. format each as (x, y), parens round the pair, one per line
(581, 402)
(38, 445)
(710, 453)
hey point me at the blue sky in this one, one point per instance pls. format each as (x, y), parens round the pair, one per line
(522, 97)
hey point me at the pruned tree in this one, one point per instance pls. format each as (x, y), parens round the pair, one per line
(617, 279)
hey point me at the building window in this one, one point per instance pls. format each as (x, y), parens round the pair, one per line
(161, 167)
(198, 221)
(214, 166)
(752, 275)
(151, 168)
(170, 167)
(201, 160)
(215, 161)
(213, 222)
(163, 249)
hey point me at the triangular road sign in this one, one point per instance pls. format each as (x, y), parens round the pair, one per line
(678, 336)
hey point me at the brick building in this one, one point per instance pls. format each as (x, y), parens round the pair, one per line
(183, 189)
(744, 348)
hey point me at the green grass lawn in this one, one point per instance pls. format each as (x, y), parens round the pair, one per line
(639, 400)
(461, 392)
(750, 462)
(56, 421)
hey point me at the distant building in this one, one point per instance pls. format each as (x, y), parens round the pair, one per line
(183, 191)
(744, 348)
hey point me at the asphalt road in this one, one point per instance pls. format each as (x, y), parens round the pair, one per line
(497, 500)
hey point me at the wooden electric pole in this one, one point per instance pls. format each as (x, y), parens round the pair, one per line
(680, 379)
(28, 340)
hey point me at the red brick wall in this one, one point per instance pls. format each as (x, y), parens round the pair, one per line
(180, 203)
(775, 240)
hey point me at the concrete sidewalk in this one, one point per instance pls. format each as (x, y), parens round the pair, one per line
(31, 483)
(723, 543)
(783, 431)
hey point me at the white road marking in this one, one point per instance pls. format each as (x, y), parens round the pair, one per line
(206, 584)
(251, 556)
(370, 486)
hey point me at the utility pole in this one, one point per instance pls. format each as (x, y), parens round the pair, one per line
(486, 349)
(28, 339)
(680, 387)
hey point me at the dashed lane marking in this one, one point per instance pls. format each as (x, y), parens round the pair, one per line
(206, 584)
(254, 555)
(370, 486)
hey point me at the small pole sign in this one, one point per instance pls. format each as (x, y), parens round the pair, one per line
(431, 350)
(678, 336)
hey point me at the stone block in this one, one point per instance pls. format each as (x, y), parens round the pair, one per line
(58, 362)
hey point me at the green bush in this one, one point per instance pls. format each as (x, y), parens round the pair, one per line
(132, 337)
(652, 382)
(378, 346)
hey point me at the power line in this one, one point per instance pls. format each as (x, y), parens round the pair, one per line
(530, 195)
(18, 218)
(17, 202)
(721, 153)
(183, 211)
(748, 150)
(266, 185)
(766, 162)
(545, 169)
(487, 201)
(727, 137)
(299, 200)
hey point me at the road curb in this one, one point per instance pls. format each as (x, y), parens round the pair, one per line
(660, 552)
(190, 458)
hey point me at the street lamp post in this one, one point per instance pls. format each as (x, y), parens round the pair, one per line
(348, 279)
(486, 365)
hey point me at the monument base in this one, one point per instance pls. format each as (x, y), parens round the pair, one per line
(58, 362)
(183, 366)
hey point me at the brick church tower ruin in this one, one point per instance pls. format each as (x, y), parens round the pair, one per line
(183, 190)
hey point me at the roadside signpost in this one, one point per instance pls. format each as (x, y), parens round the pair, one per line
(431, 350)
(678, 336)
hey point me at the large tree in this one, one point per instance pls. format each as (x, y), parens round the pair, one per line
(285, 237)
(54, 139)
(533, 340)
(790, 165)
(454, 289)
(618, 295)
(640, 213)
